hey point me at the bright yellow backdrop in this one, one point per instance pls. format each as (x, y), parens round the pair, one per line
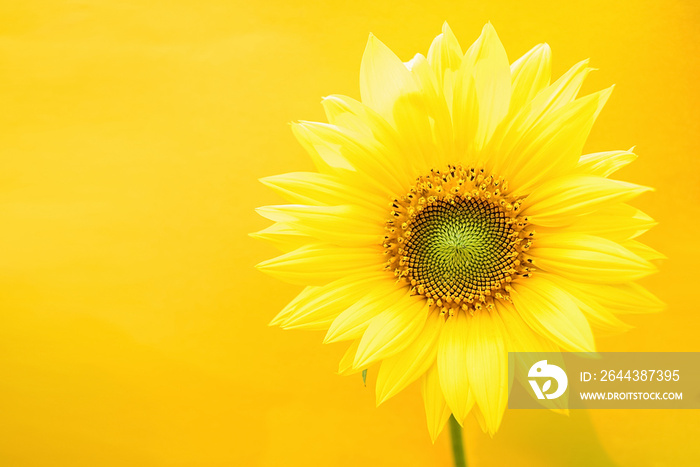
(133, 325)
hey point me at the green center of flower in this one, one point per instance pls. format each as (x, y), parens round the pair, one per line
(457, 239)
(460, 249)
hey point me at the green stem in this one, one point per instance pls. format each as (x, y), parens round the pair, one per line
(457, 443)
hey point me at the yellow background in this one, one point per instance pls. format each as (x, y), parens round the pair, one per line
(132, 324)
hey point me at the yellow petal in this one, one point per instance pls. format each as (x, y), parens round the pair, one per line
(552, 146)
(559, 201)
(366, 157)
(402, 369)
(519, 336)
(392, 330)
(481, 420)
(436, 410)
(452, 366)
(283, 237)
(643, 251)
(618, 222)
(445, 57)
(600, 318)
(350, 114)
(321, 190)
(316, 307)
(353, 322)
(345, 367)
(627, 298)
(588, 258)
(551, 312)
(604, 164)
(546, 103)
(354, 117)
(465, 111)
(487, 366)
(292, 306)
(344, 225)
(327, 159)
(492, 80)
(563, 91)
(423, 120)
(530, 74)
(319, 264)
(383, 78)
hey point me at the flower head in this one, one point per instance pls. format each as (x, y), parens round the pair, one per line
(453, 219)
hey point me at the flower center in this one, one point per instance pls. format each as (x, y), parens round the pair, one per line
(457, 239)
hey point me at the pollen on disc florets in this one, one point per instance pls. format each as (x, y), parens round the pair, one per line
(458, 239)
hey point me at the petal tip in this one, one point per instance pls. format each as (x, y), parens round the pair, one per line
(359, 361)
(488, 30)
(380, 399)
(275, 322)
(328, 338)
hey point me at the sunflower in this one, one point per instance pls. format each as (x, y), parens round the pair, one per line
(453, 219)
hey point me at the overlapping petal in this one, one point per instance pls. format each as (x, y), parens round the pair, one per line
(353, 322)
(557, 202)
(519, 335)
(524, 116)
(603, 320)
(374, 132)
(488, 63)
(319, 264)
(383, 78)
(452, 366)
(317, 306)
(642, 250)
(588, 258)
(345, 366)
(407, 366)
(487, 366)
(552, 146)
(423, 120)
(604, 164)
(392, 330)
(362, 160)
(437, 411)
(550, 311)
(530, 74)
(342, 225)
(324, 190)
(283, 237)
(445, 57)
(618, 222)
(628, 298)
